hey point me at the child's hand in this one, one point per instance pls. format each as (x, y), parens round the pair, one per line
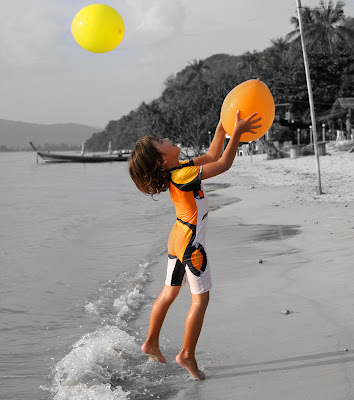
(245, 125)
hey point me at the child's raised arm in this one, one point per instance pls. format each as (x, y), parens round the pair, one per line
(226, 160)
(215, 147)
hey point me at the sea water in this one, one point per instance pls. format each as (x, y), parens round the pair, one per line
(77, 246)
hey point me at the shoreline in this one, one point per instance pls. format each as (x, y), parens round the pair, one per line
(248, 348)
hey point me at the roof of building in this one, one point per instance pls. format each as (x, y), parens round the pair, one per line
(343, 103)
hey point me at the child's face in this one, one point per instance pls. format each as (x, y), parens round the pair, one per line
(168, 149)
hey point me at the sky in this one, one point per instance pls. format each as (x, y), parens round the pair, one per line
(46, 77)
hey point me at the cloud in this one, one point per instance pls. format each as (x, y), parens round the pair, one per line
(161, 19)
(37, 32)
(27, 33)
(150, 22)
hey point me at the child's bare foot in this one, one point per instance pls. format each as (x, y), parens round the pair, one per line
(153, 352)
(190, 364)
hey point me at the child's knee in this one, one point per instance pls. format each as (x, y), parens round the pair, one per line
(201, 300)
(169, 293)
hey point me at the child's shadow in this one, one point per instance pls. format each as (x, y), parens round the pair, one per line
(336, 357)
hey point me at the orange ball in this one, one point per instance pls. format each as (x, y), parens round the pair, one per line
(249, 97)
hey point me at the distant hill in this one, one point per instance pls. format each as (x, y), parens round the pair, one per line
(223, 63)
(16, 134)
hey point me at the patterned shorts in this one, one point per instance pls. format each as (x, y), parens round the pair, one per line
(178, 273)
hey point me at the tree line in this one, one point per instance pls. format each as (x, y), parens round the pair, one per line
(188, 109)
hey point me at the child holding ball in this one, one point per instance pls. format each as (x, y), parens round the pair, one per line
(154, 166)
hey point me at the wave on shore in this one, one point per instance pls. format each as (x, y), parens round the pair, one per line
(107, 364)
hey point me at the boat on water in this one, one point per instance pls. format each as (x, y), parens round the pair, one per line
(110, 156)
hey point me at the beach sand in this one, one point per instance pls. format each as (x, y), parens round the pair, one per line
(279, 246)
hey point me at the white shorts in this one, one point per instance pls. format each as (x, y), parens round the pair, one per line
(178, 273)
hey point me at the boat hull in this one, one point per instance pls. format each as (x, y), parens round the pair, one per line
(84, 158)
(49, 157)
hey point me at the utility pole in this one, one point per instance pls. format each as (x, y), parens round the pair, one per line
(312, 107)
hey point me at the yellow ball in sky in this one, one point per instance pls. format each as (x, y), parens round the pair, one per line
(98, 28)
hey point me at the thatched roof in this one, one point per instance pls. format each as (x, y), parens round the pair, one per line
(343, 103)
(339, 109)
(330, 114)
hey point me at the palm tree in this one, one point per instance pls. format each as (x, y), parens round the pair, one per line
(250, 61)
(325, 29)
(330, 27)
(173, 86)
(279, 58)
(280, 45)
(196, 71)
(308, 21)
(279, 54)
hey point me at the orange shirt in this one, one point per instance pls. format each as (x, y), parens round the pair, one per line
(188, 235)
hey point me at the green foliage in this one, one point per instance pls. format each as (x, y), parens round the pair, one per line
(122, 133)
(325, 28)
(332, 76)
(189, 113)
(189, 106)
(187, 110)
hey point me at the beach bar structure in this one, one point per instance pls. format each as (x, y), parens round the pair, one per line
(342, 111)
(343, 104)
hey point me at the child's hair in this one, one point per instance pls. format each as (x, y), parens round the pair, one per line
(145, 167)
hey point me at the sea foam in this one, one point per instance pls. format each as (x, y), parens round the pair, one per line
(103, 359)
(86, 372)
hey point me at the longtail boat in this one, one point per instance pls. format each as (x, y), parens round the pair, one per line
(82, 158)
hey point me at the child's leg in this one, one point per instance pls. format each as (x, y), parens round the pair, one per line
(158, 314)
(194, 323)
